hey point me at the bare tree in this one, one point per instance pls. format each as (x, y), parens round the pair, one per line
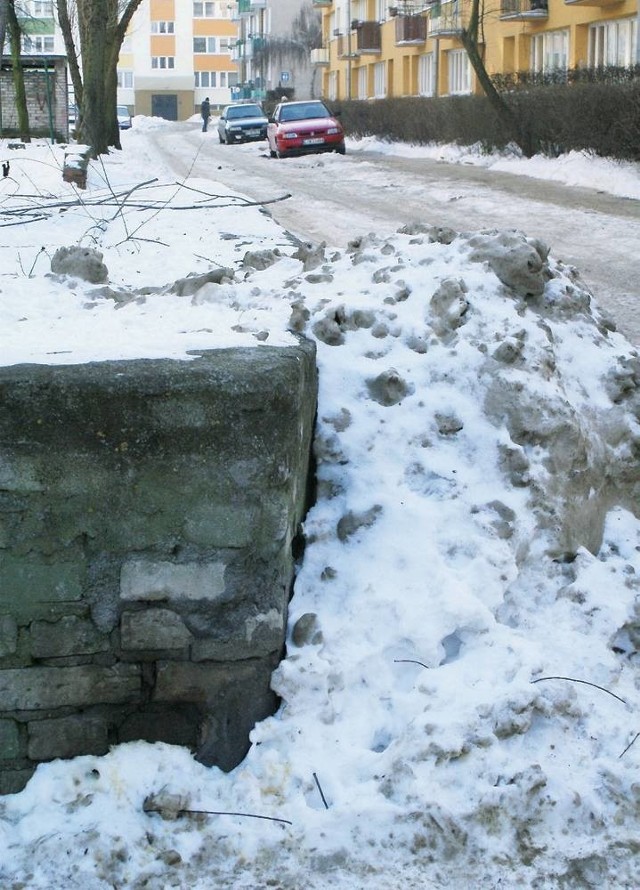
(305, 35)
(470, 37)
(4, 12)
(15, 40)
(101, 26)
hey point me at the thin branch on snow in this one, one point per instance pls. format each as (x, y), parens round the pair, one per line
(586, 683)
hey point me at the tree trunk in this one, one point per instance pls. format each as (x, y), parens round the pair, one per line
(18, 74)
(101, 35)
(66, 27)
(470, 41)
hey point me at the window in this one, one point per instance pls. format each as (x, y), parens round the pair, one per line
(125, 79)
(232, 78)
(225, 47)
(381, 9)
(37, 44)
(206, 79)
(550, 51)
(205, 44)
(362, 83)
(358, 10)
(162, 27)
(426, 75)
(204, 10)
(333, 85)
(42, 9)
(459, 72)
(158, 62)
(613, 43)
(380, 80)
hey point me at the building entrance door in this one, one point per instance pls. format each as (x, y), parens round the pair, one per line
(165, 105)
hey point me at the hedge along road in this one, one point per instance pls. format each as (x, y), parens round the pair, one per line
(336, 198)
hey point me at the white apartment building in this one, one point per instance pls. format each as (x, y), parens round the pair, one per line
(177, 53)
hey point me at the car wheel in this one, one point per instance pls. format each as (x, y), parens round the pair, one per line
(341, 149)
(272, 153)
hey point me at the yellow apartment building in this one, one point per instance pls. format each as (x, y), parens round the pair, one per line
(372, 49)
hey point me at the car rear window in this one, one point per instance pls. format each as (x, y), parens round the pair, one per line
(301, 112)
(244, 111)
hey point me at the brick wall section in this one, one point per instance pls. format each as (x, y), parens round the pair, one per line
(43, 89)
(147, 515)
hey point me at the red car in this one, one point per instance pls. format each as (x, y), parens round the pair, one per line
(303, 128)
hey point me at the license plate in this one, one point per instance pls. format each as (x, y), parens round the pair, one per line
(318, 141)
(253, 132)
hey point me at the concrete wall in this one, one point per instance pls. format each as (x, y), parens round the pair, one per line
(147, 515)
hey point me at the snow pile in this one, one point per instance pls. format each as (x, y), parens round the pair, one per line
(459, 692)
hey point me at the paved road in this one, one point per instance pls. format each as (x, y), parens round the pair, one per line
(335, 198)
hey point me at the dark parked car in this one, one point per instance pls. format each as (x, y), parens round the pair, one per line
(304, 127)
(242, 123)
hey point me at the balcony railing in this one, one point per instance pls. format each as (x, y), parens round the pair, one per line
(592, 2)
(253, 45)
(346, 46)
(368, 37)
(446, 19)
(410, 29)
(243, 7)
(238, 51)
(258, 4)
(320, 3)
(524, 9)
(320, 57)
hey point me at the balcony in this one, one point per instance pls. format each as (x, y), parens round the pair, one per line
(520, 10)
(243, 7)
(446, 19)
(238, 51)
(254, 46)
(592, 2)
(410, 30)
(368, 38)
(320, 57)
(346, 46)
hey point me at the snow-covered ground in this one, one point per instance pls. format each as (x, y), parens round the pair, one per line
(460, 688)
(620, 178)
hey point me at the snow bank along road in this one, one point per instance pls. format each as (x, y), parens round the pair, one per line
(336, 198)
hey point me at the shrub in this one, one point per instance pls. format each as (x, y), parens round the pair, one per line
(595, 110)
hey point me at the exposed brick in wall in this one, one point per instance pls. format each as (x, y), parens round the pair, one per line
(46, 92)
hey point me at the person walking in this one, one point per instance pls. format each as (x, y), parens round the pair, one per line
(205, 111)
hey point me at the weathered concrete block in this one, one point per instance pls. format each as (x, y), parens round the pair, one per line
(255, 637)
(202, 684)
(9, 740)
(67, 737)
(219, 525)
(174, 724)
(231, 699)
(8, 635)
(35, 688)
(149, 580)
(153, 629)
(150, 505)
(24, 583)
(12, 781)
(68, 636)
